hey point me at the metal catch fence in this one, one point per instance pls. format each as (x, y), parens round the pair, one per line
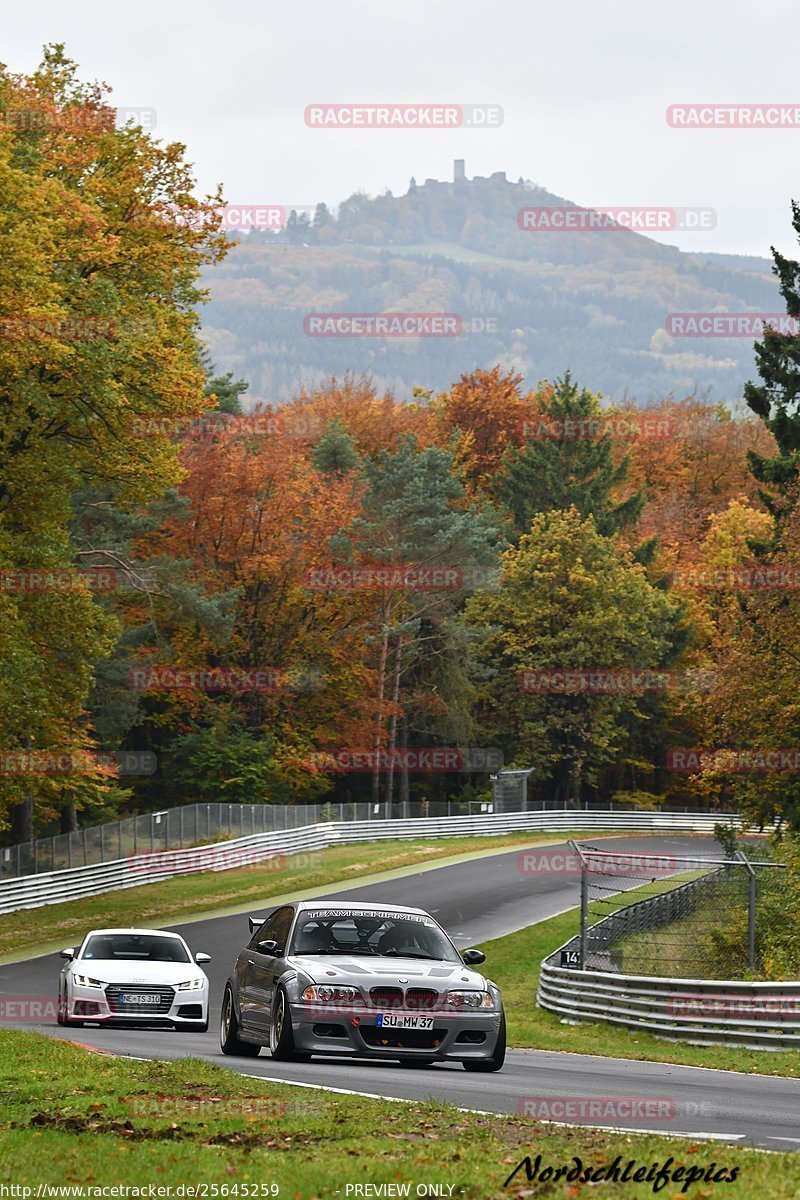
(664, 915)
(198, 824)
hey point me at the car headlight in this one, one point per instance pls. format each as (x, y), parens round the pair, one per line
(469, 1000)
(190, 985)
(85, 981)
(325, 994)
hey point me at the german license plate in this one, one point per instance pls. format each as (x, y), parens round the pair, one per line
(140, 998)
(401, 1021)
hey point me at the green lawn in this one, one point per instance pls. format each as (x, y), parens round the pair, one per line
(73, 1117)
(683, 948)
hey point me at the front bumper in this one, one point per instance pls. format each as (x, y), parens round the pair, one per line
(104, 1006)
(455, 1036)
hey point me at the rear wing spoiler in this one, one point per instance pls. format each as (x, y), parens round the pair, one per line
(255, 922)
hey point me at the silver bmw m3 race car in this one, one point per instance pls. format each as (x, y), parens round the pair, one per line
(360, 980)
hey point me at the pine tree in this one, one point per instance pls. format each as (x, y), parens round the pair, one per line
(335, 453)
(776, 401)
(568, 463)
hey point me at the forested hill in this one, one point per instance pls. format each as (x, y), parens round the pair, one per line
(594, 301)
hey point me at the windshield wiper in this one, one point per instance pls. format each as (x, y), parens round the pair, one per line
(409, 954)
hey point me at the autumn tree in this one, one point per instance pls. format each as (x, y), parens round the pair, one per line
(98, 323)
(690, 457)
(568, 599)
(483, 416)
(415, 514)
(258, 510)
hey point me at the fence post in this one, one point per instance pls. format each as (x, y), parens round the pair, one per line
(751, 911)
(584, 901)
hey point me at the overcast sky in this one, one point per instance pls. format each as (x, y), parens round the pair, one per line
(584, 88)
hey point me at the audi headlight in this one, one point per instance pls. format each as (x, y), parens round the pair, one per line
(85, 981)
(325, 994)
(469, 1000)
(190, 985)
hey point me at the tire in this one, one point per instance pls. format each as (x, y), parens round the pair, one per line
(229, 1040)
(63, 1019)
(494, 1063)
(281, 1038)
(60, 1012)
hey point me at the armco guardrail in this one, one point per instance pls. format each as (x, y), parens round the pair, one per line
(206, 822)
(33, 891)
(763, 1015)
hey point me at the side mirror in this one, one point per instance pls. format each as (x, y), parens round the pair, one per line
(268, 947)
(69, 952)
(473, 957)
(202, 957)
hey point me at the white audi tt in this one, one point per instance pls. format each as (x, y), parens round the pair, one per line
(140, 976)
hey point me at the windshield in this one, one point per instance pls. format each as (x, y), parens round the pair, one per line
(397, 936)
(145, 947)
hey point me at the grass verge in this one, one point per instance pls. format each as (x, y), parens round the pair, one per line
(513, 962)
(72, 1117)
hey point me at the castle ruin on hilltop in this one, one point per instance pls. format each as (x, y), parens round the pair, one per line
(459, 179)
